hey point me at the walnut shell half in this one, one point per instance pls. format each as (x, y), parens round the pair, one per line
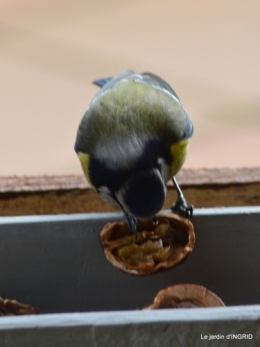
(153, 248)
(185, 296)
(12, 308)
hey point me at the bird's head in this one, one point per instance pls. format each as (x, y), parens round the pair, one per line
(142, 195)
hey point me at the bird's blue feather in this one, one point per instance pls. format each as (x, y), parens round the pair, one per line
(102, 82)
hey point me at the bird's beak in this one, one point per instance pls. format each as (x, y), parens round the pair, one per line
(131, 222)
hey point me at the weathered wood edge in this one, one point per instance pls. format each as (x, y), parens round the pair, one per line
(186, 177)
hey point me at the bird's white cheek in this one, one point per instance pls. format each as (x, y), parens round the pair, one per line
(165, 170)
(120, 197)
(106, 196)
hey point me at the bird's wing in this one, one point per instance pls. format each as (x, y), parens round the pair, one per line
(157, 81)
(102, 81)
(109, 82)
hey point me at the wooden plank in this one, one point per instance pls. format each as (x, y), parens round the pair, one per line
(72, 193)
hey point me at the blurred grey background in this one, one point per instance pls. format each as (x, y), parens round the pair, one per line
(51, 51)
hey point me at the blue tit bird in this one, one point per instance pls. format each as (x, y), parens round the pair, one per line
(132, 139)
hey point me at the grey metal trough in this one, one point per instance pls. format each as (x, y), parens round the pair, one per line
(57, 264)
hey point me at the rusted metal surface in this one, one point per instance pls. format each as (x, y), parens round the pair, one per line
(186, 177)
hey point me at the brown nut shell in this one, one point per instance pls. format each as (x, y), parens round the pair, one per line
(153, 248)
(13, 308)
(185, 296)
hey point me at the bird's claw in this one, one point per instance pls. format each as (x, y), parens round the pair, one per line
(181, 207)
